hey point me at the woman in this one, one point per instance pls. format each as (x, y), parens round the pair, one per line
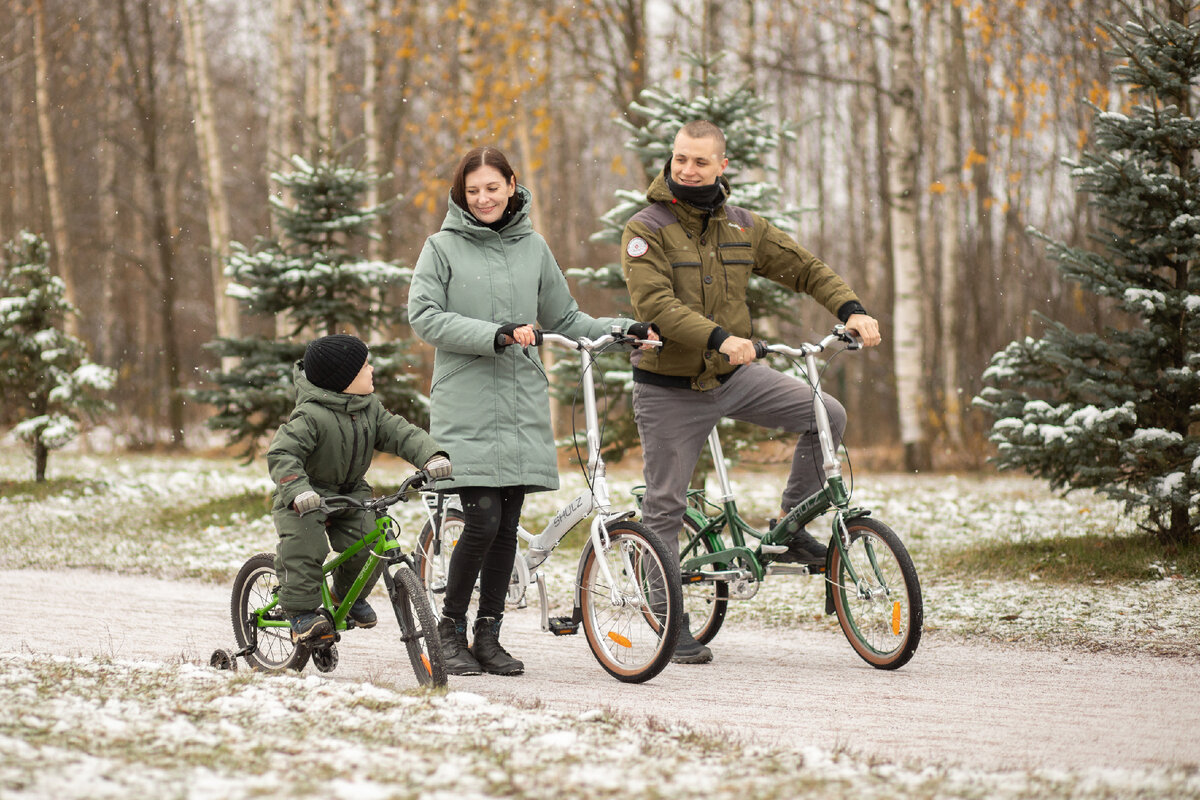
(486, 275)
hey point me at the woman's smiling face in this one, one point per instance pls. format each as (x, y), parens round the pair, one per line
(487, 193)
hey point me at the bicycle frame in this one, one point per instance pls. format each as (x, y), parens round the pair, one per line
(833, 495)
(381, 546)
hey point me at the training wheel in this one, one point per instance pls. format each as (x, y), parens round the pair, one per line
(223, 659)
(326, 658)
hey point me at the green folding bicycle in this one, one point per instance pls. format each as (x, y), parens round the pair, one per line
(870, 580)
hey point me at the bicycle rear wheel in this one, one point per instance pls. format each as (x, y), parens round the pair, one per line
(418, 629)
(882, 614)
(255, 588)
(631, 626)
(705, 602)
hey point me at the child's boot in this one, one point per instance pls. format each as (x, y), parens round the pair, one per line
(494, 659)
(308, 627)
(453, 636)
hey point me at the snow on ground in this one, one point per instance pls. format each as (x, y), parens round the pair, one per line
(75, 728)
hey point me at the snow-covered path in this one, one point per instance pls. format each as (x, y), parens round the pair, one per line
(983, 705)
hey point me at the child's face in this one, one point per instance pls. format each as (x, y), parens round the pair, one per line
(364, 381)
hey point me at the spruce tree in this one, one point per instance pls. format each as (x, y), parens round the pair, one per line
(1120, 412)
(44, 371)
(316, 277)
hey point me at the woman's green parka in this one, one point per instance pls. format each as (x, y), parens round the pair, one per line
(491, 410)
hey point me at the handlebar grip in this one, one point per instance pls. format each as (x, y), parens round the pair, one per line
(504, 340)
(760, 349)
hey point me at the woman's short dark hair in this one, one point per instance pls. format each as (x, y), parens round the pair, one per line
(473, 160)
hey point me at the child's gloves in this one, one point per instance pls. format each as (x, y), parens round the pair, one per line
(307, 501)
(438, 467)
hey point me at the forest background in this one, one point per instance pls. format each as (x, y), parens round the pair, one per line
(140, 137)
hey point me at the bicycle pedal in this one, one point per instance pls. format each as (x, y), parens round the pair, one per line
(563, 626)
(773, 549)
(816, 569)
(692, 577)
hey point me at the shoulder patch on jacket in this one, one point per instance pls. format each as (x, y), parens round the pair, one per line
(654, 216)
(637, 247)
(740, 217)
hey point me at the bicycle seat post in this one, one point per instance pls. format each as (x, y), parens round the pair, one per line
(830, 463)
(718, 455)
(595, 461)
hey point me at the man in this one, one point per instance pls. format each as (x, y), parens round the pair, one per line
(687, 260)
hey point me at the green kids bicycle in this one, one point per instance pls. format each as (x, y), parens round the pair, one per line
(263, 632)
(870, 580)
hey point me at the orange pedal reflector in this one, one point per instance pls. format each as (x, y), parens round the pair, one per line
(619, 639)
(896, 618)
(425, 661)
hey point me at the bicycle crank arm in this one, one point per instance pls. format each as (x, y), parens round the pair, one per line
(717, 576)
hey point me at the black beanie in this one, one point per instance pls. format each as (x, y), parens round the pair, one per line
(333, 362)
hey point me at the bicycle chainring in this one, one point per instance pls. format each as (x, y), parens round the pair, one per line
(743, 588)
(325, 658)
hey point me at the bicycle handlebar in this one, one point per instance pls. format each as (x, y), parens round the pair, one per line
(582, 343)
(336, 502)
(839, 334)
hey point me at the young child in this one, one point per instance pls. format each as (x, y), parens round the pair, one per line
(325, 448)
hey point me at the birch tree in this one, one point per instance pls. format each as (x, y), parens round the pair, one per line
(212, 170)
(951, 72)
(58, 212)
(908, 325)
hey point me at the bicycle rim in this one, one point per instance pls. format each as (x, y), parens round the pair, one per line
(418, 630)
(433, 556)
(256, 587)
(882, 614)
(631, 627)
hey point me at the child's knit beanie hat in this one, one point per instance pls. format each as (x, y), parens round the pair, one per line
(333, 362)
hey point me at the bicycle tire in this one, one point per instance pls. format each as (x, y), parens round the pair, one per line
(633, 638)
(254, 588)
(418, 627)
(882, 616)
(704, 602)
(433, 561)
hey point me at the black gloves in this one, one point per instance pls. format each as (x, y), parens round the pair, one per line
(641, 330)
(504, 335)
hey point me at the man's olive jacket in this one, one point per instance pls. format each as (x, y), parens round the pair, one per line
(687, 271)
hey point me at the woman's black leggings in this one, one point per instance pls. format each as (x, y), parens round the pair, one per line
(485, 551)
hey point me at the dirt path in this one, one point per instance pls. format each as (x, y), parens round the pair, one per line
(981, 705)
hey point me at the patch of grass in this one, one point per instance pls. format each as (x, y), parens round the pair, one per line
(36, 491)
(220, 511)
(1074, 559)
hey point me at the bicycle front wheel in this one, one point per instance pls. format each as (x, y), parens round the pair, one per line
(631, 624)
(705, 602)
(418, 629)
(258, 617)
(881, 613)
(435, 546)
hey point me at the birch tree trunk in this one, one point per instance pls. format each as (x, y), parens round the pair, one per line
(371, 67)
(318, 88)
(952, 73)
(58, 214)
(212, 171)
(902, 213)
(281, 118)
